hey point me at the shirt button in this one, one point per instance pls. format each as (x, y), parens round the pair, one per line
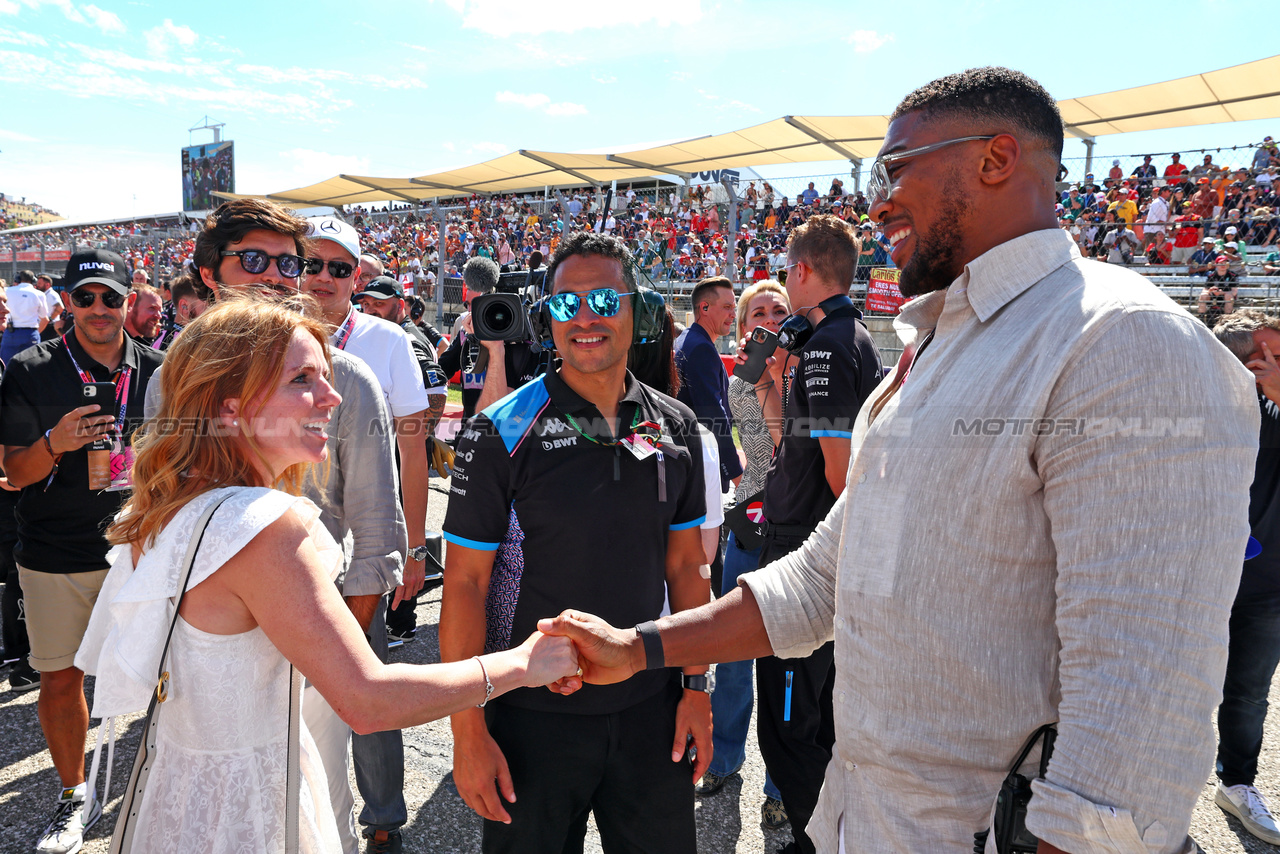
(840, 622)
(862, 478)
(849, 766)
(841, 696)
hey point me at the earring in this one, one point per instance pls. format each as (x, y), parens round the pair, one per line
(235, 422)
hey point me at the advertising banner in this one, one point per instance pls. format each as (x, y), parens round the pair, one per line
(883, 296)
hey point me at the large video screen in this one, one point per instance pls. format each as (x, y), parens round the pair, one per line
(206, 169)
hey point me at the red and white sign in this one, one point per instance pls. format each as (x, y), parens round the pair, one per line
(883, 296)
(755, 512)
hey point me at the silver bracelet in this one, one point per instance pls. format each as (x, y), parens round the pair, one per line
(488, 686)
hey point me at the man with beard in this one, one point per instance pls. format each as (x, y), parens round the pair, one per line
(1008, 550)
(143, 320)
(188, 304)
(384, 297)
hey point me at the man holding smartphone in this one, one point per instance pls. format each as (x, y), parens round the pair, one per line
(61, 553)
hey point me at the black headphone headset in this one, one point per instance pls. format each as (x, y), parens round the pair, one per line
(796, 330)
(648, 313)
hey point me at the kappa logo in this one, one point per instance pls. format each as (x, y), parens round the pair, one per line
(553, 425)
(98, 265)
(552, 444)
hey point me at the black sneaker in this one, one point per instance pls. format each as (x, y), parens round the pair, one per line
(23, 677)
(383, 842)
(711, 783)
(773, 814)
(402, 635)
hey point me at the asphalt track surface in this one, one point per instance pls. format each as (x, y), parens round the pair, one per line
(439, 821)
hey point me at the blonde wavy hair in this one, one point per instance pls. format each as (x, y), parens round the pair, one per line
(770, 286)
(235, 349)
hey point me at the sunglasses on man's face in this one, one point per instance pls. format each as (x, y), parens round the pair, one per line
(337, 269)
(604, 302)
(81, 298)
(255, 261)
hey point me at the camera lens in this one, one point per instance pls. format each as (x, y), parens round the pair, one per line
(497, 316)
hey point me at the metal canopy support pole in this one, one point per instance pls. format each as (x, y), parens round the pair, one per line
(730, 267)
(564, 215)
(857, 173)
(438, 216)
(587, 179)
(1088, 154)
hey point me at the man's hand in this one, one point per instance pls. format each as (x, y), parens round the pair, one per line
(607, 655)
(415, 574)
(1267, 374)
(693, 722)
(480, 772)
(79, 427)
(497, 350)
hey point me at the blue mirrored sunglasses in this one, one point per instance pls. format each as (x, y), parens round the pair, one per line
(605, 302)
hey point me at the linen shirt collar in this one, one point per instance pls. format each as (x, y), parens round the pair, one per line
(993, 279)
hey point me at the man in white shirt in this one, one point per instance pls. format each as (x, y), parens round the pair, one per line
(1157, 216)
(28, 316)
(44, 284)
(331, 274)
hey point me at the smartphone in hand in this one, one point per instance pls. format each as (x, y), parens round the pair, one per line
(760, 346)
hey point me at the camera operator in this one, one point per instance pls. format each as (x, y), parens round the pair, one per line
(384, 297)
(1219, 294)
(1254, 633)
(490, 369)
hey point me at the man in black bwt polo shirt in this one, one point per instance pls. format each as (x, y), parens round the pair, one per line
(61, 552)
(834, 372)
(582, 489)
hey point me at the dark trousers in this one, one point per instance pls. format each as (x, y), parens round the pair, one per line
(795, 726)
(404, 619)
(1252, 656)
(12, 612)
(378, 757)
(618, 766)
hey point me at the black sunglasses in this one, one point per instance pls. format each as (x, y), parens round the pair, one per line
(337, 269)
(256, 261)
(81, 298)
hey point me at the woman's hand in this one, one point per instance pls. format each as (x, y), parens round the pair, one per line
(551, 659)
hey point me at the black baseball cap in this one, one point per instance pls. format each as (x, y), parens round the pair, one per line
(383, 287)
(97, 266)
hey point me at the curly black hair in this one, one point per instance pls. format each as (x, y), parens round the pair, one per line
(996, 94)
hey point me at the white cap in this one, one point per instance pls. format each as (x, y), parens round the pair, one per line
(332, 228)
(1231, 229)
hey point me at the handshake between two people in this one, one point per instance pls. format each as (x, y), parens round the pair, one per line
(576, 648)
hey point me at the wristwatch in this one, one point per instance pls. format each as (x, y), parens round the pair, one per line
(704, 682)
(418, 552)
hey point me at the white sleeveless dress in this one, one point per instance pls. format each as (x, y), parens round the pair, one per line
(218, 782)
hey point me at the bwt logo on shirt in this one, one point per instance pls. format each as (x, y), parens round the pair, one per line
(98, 265)
(559, 443)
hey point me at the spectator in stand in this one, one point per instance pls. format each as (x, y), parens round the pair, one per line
(1120, 243)
(1219, 294)
(1205, 200)
(809, 196)
(1160, 250)
(1124, 206)
(1157, 216)
(1235, 258)
(1265, 155)
(1186, 237)
(1175, 170)
(1145, 173)
(1114, 175)
(1205, 170)
(1203, 259)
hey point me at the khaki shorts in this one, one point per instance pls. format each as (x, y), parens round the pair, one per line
(58, 608)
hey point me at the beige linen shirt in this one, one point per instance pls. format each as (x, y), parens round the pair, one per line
(1046, 523)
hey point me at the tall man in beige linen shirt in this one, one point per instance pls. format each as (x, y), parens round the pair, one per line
(1043, 519)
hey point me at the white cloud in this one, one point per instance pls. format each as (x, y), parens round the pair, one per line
(108, 22)
(504, 18)
(161, 38)
(680, 76)
(540, 101)
(604, 81)
(8, 7)
(8, 36)
(865, 41)
(14, 136)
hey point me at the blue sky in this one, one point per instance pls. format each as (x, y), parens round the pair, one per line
(98, 97)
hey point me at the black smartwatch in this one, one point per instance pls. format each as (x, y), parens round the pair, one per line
(705, 683)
